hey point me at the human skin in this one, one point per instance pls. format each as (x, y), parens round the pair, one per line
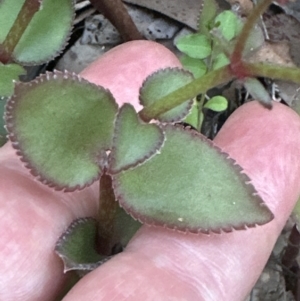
(158, 264)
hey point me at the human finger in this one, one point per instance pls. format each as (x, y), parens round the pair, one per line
(33, 216)
(160, 264)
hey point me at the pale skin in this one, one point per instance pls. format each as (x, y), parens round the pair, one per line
(158, 264)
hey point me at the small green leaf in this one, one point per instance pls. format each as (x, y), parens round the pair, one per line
(162, 83)
(125, 227)
(62, 127)
(229, 24)
(190, 186)
(195, 45)
(196, 66)
(200, 122)
(217, 104)
(193, 116)
(46, 34)
(207, 15)
(134, 141)
(76, 247)
(220, 61)
(258, 91)
(255, 40)
(8, 73)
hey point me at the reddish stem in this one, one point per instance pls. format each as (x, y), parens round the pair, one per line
(117, 14)
(106, 215)
(29, 8)
(236, 63)
(273, 71)
(189, 91)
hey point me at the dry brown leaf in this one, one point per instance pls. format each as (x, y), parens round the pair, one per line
(282, 27)
(245, 6)
(184, 11)
(273, 52)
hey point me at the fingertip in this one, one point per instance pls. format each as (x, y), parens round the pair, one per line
(123, 69)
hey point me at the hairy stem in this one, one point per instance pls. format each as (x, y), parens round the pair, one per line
(117, 14)
(189, 91)
(273, 71)
(29, 8)
(243, 36)
(106, 215)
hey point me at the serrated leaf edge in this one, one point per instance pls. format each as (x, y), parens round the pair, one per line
(9, 125)
(62, 47)
(189, 105)
(152, 153)
(70, 265)
(235, 165)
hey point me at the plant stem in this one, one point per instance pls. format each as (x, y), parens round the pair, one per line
(29, 8)
(106, 215)
(236, 61)
(117, 14)
(273, 71)
(248, 26)
(202, 99)
(189, 91)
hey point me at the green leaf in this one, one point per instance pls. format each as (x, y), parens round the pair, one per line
(190, 186)
(195, 45)
(258, 91)
(220, 61)
(8, 73)
(207, 15)
(193, 116)
(217, 104)
(200, 122)
(134, 141)
(62, 126)
(229, 24)
(255, 40)
(162, 83)
(46, 34)
(125, 227)
(196, 66)
(76, 247)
